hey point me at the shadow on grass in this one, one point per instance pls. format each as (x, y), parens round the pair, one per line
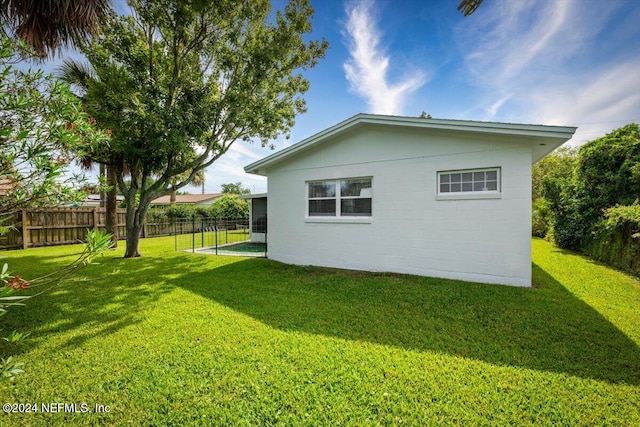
(99, 306)
(545, 328)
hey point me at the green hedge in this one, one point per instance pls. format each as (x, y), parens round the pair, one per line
(228, 206)
(616, 240)
(540, 217)
(605, 173)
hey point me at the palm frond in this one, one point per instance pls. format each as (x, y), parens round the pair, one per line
(467, 7)
(77, 74)
(48, 25)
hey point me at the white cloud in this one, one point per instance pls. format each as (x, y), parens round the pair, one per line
(596, 102)
(552, 63)
(366, 69)
(230, 168)
(493, 108)
(240, 149)
(227, 170)
(518, 38)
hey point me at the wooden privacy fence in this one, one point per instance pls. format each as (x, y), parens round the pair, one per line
(59, 226)
(65, 226)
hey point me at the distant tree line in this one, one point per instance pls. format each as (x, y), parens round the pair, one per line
(588, 199)
(229, 206)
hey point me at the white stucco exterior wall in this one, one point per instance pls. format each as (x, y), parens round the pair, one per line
(410, 231)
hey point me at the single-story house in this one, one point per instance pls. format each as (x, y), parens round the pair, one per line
(187, 199)
(432, 197)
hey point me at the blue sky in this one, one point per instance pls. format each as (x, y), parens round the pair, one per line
(562, 62)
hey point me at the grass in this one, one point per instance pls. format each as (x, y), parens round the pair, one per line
(183, 339)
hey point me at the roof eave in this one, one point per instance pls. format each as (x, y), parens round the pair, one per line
(556, 135)
(259, 167)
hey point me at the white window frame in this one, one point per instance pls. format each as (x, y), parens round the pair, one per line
(468, 195)
(338, 217)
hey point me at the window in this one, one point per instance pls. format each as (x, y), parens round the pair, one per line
(471, 182)
(339, 198)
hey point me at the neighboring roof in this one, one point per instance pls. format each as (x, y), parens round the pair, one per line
(187, 199)
(253, 196)
(546, 138)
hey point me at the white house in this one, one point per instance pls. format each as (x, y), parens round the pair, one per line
(432, 197)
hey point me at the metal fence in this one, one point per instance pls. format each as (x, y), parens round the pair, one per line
(217, 237)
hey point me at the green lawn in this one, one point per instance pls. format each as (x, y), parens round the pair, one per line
(181, 339)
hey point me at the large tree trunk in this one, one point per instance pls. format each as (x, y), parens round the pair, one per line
(133, 240)
(134, 229)
(112, 206)
(135, 223)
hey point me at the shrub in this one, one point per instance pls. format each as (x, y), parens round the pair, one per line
(558, 165)
(540, 217)
(181, 212)
(608, 168)
(606, 173)
(155, 216)
(568, 227)
(616, 239)
(202, 211)
(229, 206)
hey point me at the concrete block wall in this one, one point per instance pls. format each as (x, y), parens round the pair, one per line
(479, 240)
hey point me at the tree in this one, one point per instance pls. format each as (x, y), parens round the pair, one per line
(609, 169)
(47, 25)
(180, 82)
(558, 165)
(606, 174)
(230, 206)
(555, 169)
(41, 127)
(234, 188)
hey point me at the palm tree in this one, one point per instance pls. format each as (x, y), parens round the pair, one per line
(48, 25)
(81, 76)
(197, 180)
